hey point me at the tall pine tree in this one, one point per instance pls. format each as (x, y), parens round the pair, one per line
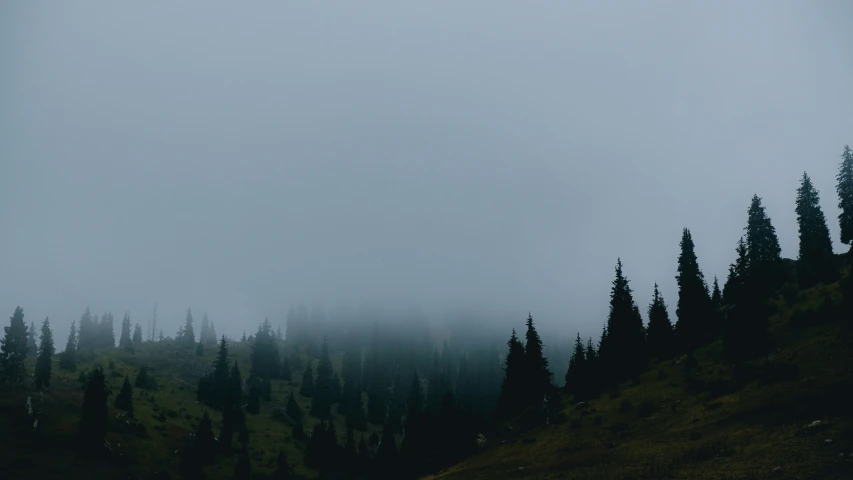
(845, 196)
(13, 351)
(124, 340)
(512, 396)
(816, 263)
(187, 336)
(45, 356)
(659, 334)
(623, 347)
(68, 358)
(93, 414)
(694, 326)
(536, 372)
(32, 345)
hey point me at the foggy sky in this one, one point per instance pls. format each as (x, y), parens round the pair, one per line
(241, 158)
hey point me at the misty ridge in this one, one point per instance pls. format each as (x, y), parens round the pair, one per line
(443, 240)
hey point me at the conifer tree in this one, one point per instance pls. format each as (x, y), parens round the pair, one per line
(511, 399)
(575, 378)
(694, 325)
(93, 414)
(293, 410)
(137, 335)
(199, 349)
(386, 453)
(659, 334)
(32, 345)
(68, 358)
(107, 333)
(536, 372)
(762, 250)
(623, 348)
(188, 336)
(45, 356)
(265, 358)
(716, 295)
(143, 380)
(816, 263)
(85, 333)
(212, 338)
(845, 195)
(205, 441)
(124, 400)
(124, 340)
(205, 330)
(13, 351)
(243, 467)
(353, 407)
(307, 387)
(253, 404)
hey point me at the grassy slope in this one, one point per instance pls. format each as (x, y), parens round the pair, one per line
(755, 432)
(49, 452)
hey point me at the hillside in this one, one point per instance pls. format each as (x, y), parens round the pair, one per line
(787, 415)
(149, 451)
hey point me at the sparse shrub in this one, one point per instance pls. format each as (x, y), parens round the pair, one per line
(695, 436)
(598, 420)
(645, 409)
(615, 393)
(576, 423)
(172, 414)
(625, 406)
(162, 417)
(112, 364)
(116, 374)
(661, 374)
(635, 382)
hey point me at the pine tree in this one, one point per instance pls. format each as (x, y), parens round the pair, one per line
(307, 387)
(659, 334)
(816, 263)
(161, 337)
(717, 295)
(45, 355)
(293, 410)
(68, 358)
(694, 325)
(511, 399)
(93, 413)
(352, 407)
(321, 402)
(205, 330)
(253, 404)
(575, 378)
(623, 350)
(265, 358)
(85, 333)
(137, 335)
(243, 467)
(212, 334)
(143, 380)
(13, 351)
(108, 336)
(205, 441)
(845, 195)
(32, 346)
(199, 349)
(124, 340)
(124, 400)
(537, 374)
(762, 250)
(188, 337)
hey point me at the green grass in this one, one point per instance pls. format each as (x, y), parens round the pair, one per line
(753, 431)
(49, 453)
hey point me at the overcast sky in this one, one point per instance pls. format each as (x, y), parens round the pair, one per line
(242, 157)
